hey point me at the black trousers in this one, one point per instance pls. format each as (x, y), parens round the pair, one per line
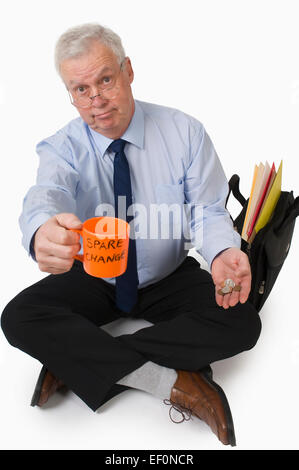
(57, 321)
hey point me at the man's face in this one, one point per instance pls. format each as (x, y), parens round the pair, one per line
(108, 117)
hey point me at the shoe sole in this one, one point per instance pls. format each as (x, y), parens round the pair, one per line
(38, 387)
(229, 419)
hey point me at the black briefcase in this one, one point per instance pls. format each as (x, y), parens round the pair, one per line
(271, 245)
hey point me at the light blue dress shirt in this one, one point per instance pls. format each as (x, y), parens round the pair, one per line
(172, 161)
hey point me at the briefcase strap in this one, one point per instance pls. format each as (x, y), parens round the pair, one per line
(234, 188)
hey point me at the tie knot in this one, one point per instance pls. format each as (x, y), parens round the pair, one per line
(117, 145)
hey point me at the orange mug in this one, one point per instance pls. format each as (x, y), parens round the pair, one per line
(105, 246)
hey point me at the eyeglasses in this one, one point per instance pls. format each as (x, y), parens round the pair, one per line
(80, 96)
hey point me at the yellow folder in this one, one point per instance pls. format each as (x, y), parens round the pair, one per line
(271, 201)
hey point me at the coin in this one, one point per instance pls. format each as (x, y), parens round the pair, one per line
(228, 287)
(237, 288)
(229, 283)
(225, 290)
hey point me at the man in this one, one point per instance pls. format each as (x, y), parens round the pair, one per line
(120, 147)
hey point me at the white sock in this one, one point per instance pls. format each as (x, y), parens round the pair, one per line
(151, 378)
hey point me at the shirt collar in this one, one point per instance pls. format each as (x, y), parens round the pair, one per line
(134, 133)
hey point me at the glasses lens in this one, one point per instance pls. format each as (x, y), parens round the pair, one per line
(86, 101)
(108, 90)
(110, 93)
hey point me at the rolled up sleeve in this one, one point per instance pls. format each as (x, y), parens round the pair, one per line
(206, 189)
(54, 191)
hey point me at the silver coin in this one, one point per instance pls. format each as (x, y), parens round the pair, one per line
(226, 290)
(229, 283)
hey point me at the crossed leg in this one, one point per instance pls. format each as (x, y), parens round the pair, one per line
(57, 321)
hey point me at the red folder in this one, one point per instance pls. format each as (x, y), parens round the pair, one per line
(257, 211)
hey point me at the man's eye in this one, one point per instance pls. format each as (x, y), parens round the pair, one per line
(81, 89)
(106, 80)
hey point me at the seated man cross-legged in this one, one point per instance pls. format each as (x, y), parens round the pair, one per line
(125, 158)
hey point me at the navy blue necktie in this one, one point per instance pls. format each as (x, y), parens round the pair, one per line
(126, 284)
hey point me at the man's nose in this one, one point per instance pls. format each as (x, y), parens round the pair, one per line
(97, 99)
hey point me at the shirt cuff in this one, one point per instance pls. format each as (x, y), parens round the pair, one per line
(219, 244)
(31, 247)
(29, 232)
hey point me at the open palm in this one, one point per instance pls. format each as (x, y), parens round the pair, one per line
(232, 264)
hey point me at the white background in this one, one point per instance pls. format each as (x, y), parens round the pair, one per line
(232, 64)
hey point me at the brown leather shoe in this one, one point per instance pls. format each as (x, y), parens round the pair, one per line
(195, 393)
(46, 386)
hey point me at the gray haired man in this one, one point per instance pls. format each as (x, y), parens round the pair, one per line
(149, 154)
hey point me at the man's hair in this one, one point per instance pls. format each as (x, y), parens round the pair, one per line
(76, 41)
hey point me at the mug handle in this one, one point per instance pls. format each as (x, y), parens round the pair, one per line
(78, 257)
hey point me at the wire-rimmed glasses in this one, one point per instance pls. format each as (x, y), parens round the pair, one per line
(108, 89)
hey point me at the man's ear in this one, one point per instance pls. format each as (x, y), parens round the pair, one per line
(129, 70)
